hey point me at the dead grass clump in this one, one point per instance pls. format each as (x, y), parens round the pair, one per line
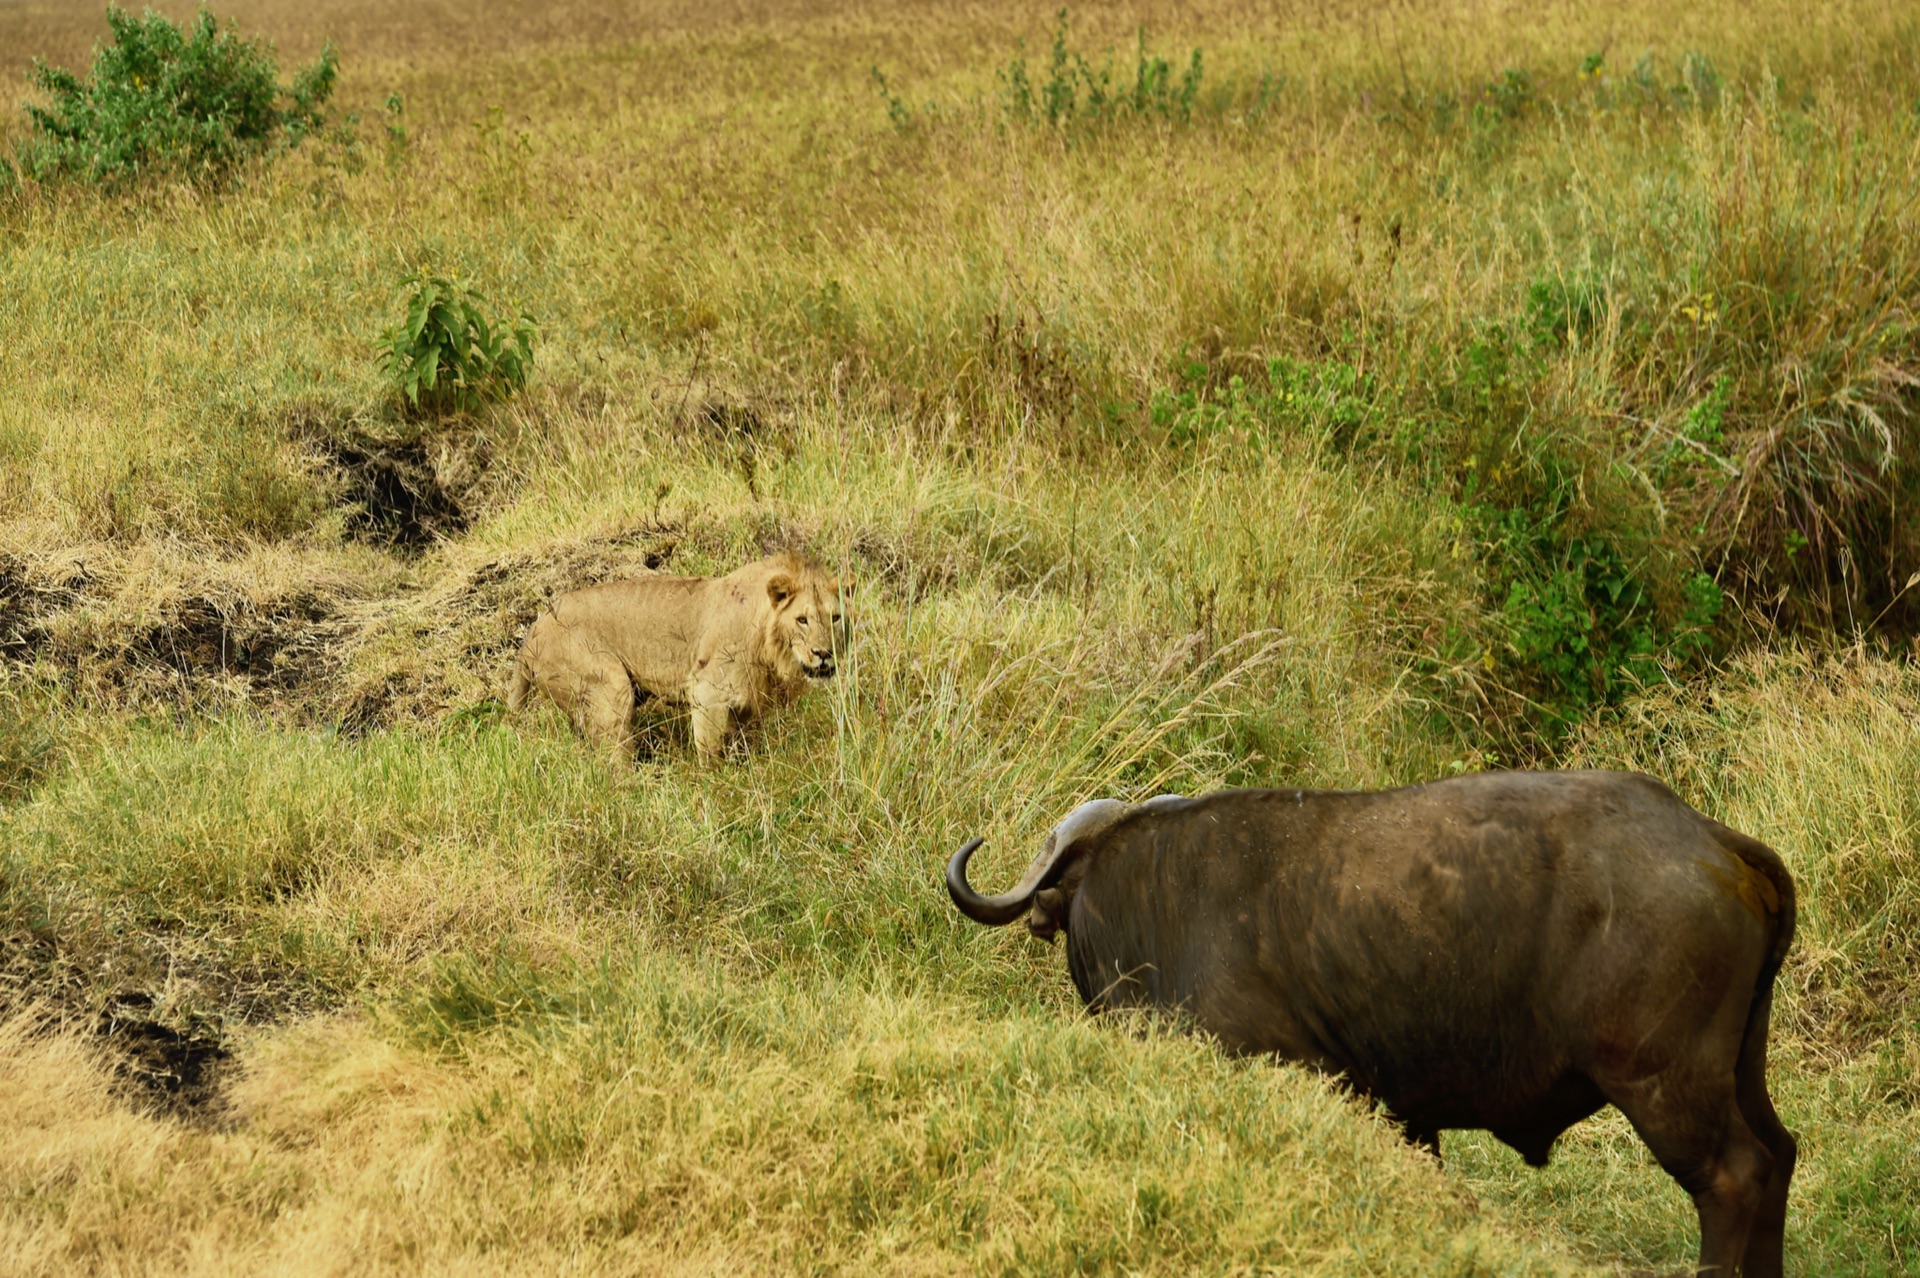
(119, 631)
(32, 589)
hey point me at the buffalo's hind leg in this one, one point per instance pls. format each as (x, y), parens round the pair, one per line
(1696, 1130)
(1768, 1239)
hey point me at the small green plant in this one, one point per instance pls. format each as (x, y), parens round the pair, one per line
(1509, 98)
(196, 102)
(1561, 309)
(1075, 92)
(396, 129)
(898, 111)
(447, 353)
(1700, 436)
(1699, 82)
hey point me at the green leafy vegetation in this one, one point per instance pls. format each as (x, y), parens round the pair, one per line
(195, 103)
(446, 353)
(1075, 92)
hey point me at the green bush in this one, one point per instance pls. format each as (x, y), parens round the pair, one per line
(195, 102)
(1580, 621)
(1586, 594)
(447, 354)
(1323, 402)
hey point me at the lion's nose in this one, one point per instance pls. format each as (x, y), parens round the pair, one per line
(824, 654)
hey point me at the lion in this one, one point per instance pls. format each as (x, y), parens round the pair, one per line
(730, 648)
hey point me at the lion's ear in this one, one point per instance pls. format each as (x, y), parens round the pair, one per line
(845, 585)
(779, 588)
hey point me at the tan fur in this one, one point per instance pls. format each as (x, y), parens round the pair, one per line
(731, 648)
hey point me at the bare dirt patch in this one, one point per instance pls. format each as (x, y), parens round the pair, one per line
(394, 493)
(29, 592)
(162, 1069)
(164, 1062)
(209, 644)
(401, 487)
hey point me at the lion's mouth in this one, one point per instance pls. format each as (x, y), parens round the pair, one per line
(822, 671)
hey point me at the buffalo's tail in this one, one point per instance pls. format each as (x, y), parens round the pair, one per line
(1765, 862)
(1750, 1070)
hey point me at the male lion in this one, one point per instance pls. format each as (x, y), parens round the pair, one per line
(729, 647)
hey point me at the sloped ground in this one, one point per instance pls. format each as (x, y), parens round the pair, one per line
(312, 959)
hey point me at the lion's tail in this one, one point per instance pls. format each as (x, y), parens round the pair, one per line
(518, 685)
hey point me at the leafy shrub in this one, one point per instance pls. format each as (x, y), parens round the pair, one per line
(1589, 603)
(396, 130)
(160, 99)
(1579, 620)
(447, 354)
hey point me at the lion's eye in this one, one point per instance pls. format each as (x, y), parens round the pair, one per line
(801, 620)
(836, 618)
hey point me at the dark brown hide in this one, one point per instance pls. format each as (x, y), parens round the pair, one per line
(1508, 951)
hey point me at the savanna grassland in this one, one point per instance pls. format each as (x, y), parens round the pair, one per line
(1381, 393)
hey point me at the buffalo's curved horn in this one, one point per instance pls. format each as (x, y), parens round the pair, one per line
(997, 911)
(1069, 839)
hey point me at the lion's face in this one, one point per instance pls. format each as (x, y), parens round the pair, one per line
(809, 622)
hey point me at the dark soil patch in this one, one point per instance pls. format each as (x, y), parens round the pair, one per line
(400, 487)
(394, 492)
(161, 1064)
(730, 424)
(60, 621)
(275, 647)
(160, 1068)
(742, 435)
(26, 600)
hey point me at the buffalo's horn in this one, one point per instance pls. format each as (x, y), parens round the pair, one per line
(997, 911)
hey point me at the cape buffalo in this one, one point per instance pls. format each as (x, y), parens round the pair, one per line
(1510, 951)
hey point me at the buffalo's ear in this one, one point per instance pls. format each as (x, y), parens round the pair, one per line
(779, 588)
